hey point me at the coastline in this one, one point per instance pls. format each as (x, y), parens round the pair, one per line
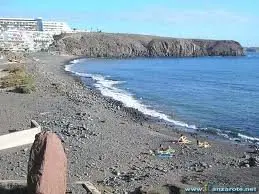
(104, 141)
(156, 116)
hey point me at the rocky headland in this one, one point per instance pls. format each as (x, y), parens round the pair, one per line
(131, 45)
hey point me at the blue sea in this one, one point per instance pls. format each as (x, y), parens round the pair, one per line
(212, 94)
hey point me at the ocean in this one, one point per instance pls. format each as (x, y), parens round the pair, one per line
(218, 95)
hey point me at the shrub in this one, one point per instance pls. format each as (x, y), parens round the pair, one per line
(19, 79)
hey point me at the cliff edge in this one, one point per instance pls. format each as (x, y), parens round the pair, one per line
(130, 45)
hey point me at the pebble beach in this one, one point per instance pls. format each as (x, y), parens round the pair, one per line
(110, 145)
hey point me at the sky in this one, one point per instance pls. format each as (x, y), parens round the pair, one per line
(207, 19)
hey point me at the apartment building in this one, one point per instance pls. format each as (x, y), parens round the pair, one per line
(23, 34)
(25, 24)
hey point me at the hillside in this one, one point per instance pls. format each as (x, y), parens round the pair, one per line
(130, 45)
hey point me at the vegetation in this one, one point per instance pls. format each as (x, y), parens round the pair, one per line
(18, 79)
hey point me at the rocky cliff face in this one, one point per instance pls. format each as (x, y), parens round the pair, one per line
(129, 45)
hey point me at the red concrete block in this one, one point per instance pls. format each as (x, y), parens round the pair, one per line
(47, 167)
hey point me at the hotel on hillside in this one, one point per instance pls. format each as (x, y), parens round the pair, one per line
(24, 34)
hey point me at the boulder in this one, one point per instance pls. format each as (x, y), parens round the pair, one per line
(47, 166)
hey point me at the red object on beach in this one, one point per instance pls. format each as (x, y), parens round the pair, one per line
(47, 168)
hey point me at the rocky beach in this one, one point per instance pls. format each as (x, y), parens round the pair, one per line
(111, 145)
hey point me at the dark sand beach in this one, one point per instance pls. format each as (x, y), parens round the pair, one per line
(109, 145)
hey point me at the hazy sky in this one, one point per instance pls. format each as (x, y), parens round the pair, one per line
(214, 19)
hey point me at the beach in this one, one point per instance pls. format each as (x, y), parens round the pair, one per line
(110, 145)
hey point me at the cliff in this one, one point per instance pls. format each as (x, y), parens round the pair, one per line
(130, 45)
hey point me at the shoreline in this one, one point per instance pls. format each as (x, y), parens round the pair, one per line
(109, 146)
(218, 135)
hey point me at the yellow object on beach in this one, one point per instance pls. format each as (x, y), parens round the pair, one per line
(184, 140)
(204, 144)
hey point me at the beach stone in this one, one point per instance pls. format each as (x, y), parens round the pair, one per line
(47, 166)
(203, 164)
(252, 161)
(84, 127)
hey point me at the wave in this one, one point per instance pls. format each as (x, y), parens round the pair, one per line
(108, 88)
(248, 137)
(71, 64)
(231, 135)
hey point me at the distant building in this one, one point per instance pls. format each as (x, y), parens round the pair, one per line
(25, 40)
(7, 24)
(57, 27)
(37, 24)
(23, 34)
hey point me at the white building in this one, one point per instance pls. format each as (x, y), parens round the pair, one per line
(23, 34)
(7, 24)
(57, 27)
(37, 24)
(25, 40)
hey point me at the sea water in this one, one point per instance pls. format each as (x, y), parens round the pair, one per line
(214, 94)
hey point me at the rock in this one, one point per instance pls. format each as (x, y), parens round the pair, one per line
(250, 162)
(246, 155)
(84, 136)
(203, 164)
(121, 45)
(25, 149)
(197, 169)
(12, 130)
(47, 166)
(66, 133)
(135, 168)
(84, 127)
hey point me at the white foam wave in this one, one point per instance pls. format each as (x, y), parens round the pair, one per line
(108, 88)
(240, 137)
(248, 137)
(75, 61)
(71, 64)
